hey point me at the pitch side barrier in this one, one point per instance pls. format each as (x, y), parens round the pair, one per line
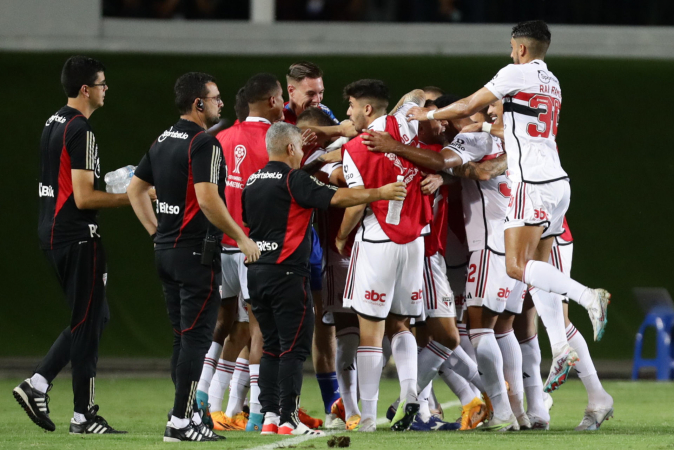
(302, 38)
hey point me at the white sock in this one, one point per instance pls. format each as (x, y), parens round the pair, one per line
(461, 363)
(210, 364)
(39, 382)
(196, 418)
(433, 400)
(423, 399)
(545, 276)
(596, 395)
(238, 388)
(490, 362)
(551, 310)
(531, 372)
(180, 423)
(430, 359)
(386, 350)
(255, 407)
(79, 418)
(468, 348)
(369, 362)
(512, 369)
(347, 374)
(404, 349)
(457, 384)
(220, 384)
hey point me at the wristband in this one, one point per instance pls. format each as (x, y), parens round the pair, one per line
(486, 127)
(430, 115)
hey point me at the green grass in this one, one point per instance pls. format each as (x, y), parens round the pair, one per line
(644, 419)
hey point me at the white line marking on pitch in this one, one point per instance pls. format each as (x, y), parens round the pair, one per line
(299, 439)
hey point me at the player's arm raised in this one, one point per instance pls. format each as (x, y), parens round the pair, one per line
(379, 141)
(465, 107)
(416, 96)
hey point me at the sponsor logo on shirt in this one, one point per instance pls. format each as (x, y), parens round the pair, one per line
(45, 191)
(265, 246)
(172, 134)
(165, 208)
(55, 118)
(544, 77)
(264, 176)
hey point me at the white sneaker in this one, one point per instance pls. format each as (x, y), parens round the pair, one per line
(367, 425)
(598, 312)
(561, 366)
(538, 423)
(298, 430)
(496, 424)
(523, 422)
(332, 422)
(594, 418)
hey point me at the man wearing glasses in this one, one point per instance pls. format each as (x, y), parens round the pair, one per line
(69, 236)
(184, 164)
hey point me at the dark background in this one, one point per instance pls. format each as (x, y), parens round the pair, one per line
(614, 142)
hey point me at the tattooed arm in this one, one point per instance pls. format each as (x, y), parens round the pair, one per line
(483, 171)
(416, 96)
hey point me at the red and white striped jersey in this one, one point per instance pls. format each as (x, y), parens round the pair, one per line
(484, 207)
(532, 100)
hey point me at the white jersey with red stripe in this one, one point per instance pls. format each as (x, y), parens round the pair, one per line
(532, 100)
(484, 206)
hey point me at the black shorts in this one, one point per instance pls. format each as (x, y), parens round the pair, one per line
(81, 269)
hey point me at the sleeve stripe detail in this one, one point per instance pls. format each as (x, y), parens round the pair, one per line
(216, 158)
(90, 160)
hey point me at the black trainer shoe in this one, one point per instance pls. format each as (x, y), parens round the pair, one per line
(94, 424)
(203, 427)
(35, 403)
(190, 433)
(403, 423)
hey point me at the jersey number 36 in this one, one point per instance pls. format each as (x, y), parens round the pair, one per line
(548, 119)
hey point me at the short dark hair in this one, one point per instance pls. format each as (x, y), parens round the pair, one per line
(429, 103)
(260, 87)
(537, 30)
(241, 105)
(315, 116)
(190, 87)
(446, 100)
(303, 69)
(369, 89)
(434, 89)
(78, 71)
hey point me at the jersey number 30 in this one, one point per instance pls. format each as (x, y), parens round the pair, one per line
(547, 120)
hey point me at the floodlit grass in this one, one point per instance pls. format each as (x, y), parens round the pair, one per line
(644, 419)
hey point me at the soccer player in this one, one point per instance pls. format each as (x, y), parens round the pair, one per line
(278, 205)
(69, 236)
(244, 153)
(540, 192)
(184, 164)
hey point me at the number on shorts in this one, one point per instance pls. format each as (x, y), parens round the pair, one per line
(471, 273)
(504, 189)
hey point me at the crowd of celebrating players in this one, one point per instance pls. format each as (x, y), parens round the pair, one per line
(449, 281)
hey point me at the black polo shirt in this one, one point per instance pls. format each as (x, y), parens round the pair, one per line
(67, 143)
(277, 206)
(181, 157)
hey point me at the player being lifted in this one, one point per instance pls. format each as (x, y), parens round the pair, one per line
(540, 190)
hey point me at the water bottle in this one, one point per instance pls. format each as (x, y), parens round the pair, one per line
(394, 208)
(118, 180)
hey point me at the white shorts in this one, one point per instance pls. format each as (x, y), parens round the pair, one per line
(335, 269)
(438, 296)
(561, 256)
(385, 278)
(539, 205)
(234, 275)
(488, 285)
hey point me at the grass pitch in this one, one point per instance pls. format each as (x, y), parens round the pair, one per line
(644, 417)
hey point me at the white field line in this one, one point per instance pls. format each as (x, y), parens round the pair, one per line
(299, 439)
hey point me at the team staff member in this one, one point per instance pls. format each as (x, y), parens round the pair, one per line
(68, 231)
(278, 203)
(184, 166)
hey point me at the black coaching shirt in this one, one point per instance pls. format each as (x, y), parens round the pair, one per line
(277, 206)
(181, 157)
(67, 143)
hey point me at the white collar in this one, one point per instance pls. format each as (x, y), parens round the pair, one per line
(257, 119)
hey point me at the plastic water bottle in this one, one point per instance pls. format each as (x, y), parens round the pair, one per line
(394, 208)
(118, 180)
